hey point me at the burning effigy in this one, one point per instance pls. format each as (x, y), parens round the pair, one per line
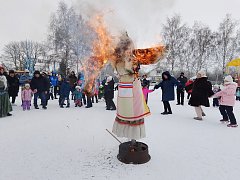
(131, 106)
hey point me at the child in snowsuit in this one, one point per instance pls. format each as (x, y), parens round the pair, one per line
(216, 89)
(227, 101)
(64, 93)
(146, 91)
(78, 96)
(26, 95)
(238, 94)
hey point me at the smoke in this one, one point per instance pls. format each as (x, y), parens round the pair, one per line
(142, 19)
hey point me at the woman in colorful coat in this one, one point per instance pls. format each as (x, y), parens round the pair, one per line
(5, 105)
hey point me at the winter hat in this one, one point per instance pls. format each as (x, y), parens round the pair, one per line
(78, 87)
(109, 78)
(11, 71)
(228, 79)
(27, 85)
(193, 78)
(202, 73)
(26, 71)
(36, 72)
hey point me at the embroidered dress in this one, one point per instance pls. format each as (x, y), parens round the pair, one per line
(131, 110)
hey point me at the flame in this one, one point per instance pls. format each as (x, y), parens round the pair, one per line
(149, 55)
(102, 50)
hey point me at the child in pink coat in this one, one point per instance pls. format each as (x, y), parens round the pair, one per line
(26, 95)
(227, 101)
(146, 91)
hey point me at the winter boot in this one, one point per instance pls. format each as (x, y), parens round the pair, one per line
(224, 120)
(198, 118)
(232, 125)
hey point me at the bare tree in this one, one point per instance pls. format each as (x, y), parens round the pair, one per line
(202, 42)
(12, 53)
(174, 34)
(226, 42)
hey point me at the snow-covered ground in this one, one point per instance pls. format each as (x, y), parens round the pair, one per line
(72, 144)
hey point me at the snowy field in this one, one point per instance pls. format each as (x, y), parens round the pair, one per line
(72, 144)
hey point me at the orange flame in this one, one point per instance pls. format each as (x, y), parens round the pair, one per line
(102, 51)
(149, 55)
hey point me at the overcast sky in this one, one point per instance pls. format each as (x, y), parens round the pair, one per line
(28, 19)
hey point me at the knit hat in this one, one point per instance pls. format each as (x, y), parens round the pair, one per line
(36, 72)
(109, 78)
(228, 79)
(193, 78)
(78, 87)
(26, 71)
(202, 73)
(27, 85)
(11, 71)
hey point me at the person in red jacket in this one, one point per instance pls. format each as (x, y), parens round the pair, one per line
(188, 86)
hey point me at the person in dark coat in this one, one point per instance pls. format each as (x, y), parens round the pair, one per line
(167, 85)
(65, 92)
(44, 74)
(40, 86)
(13, 86)
(109, 93)
(181, 89)
(201, 91)
(72, 81)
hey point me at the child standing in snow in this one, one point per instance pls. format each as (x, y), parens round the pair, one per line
(146, 91)
(216, 89)
(26, 95)
(78, 96)
(238, 94)
(227, 101)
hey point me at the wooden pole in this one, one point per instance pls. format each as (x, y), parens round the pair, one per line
(113, 136)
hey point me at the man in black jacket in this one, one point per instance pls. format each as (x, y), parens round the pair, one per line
(180, 89)
(40, 86)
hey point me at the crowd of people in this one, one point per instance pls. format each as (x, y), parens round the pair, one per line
(45, 86)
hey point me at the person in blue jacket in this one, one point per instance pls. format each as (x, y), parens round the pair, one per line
(54, 83)
(167, 85)
(65, 92)
(25, 78)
